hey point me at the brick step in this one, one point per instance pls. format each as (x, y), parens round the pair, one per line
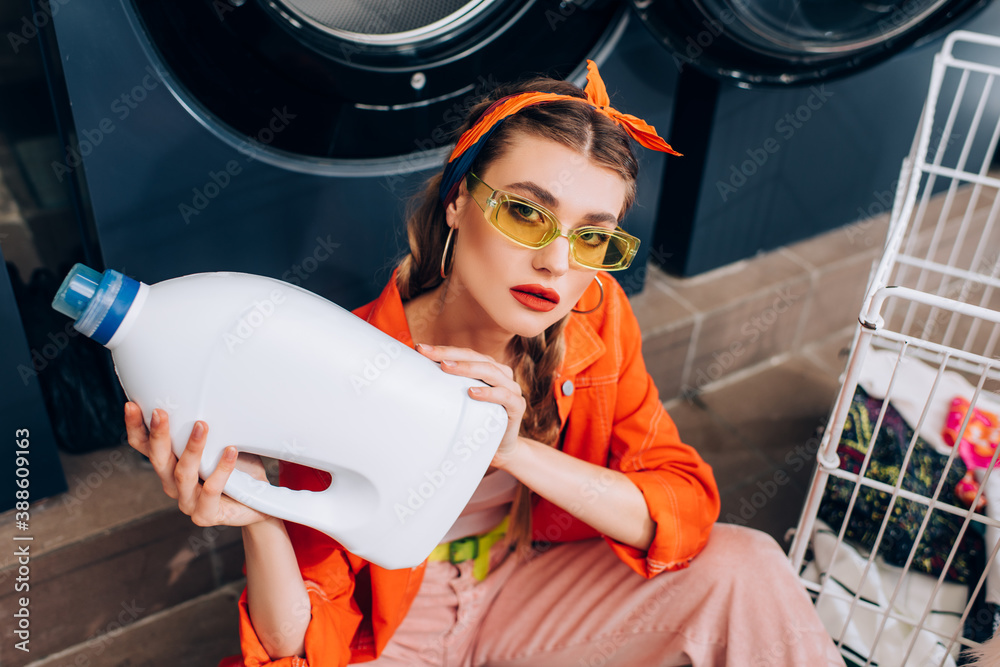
(109, 553)
(195, 633)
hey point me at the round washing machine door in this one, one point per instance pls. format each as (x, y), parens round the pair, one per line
(782, 42)
(370, 81)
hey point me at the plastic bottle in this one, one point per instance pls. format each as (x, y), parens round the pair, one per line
(278, 371)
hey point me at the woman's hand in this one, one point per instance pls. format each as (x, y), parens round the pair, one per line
(502, 390)
(204, 503)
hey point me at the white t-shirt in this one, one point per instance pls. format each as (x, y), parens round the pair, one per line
(486, 508)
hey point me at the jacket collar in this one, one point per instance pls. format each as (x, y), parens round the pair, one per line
(388, 315)
(583, 344)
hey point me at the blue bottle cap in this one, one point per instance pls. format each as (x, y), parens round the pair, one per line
(76, 291)
(97, 302)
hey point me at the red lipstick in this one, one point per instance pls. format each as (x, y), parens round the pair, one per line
(536, 297)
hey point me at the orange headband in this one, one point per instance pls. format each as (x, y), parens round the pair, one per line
(597, 97)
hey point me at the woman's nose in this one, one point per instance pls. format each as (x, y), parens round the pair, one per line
(554, 257)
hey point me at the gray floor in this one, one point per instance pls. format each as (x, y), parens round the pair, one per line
(760, 434)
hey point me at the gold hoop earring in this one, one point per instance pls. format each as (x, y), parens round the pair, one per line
(584, 312)
(444, 255)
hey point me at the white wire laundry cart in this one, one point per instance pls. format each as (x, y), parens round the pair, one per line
(929, 329)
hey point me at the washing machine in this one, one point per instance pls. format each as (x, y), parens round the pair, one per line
(285, 137)
(794, 116)
(280, 138)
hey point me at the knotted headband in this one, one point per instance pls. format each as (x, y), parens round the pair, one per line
(470, 143)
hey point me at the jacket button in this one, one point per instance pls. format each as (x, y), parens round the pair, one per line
(567, 388)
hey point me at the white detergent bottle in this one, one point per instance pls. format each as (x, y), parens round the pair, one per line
(278, 371)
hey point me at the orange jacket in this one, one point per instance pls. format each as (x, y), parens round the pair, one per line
(611, 415)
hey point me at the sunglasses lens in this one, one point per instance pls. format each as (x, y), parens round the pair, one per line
(600, 250)
(523, 222)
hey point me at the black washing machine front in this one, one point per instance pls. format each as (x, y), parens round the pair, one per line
(284, 137)
(782, 42)
(793, 116)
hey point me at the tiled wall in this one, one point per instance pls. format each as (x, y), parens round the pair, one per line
(738, 319)
(706, 329)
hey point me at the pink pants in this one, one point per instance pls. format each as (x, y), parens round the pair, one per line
(577, 605)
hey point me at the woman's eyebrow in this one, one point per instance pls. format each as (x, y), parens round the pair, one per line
(540, 194)
(547, 199)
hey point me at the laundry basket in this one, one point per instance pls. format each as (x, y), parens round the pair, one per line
(897, 563)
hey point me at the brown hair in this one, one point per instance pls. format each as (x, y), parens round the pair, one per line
(577, 126)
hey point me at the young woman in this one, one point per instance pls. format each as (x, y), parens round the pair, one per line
(591, 540)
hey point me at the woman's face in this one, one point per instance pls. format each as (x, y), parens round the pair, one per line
(496, 271)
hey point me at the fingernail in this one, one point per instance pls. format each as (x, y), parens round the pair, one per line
(198, 430)
(426, 348)
(154, 421)
(230, 453)
(128, 409)
(475, 390)
(448, 362)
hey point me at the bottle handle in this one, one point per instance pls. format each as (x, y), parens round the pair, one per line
(314, 508)
(347, 504)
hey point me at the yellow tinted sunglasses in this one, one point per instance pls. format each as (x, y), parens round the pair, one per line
(530, 225)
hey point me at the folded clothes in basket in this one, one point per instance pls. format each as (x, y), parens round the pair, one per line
(976, 446)
(923, 472)
(914, 381)
(981, 436)
(862, 628)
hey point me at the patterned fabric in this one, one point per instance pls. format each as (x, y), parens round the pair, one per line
(923, 473)
(981, 437)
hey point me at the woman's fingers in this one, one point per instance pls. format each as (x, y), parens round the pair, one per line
(217, 480)
(252, 465)
(204, 503)
(160, 451)
(490, 373)
(512, 402)
(207, 508)
(462, 361)
(502, 389)
(444, 353)
(213, 507)
(186, 472)
(138, 437)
